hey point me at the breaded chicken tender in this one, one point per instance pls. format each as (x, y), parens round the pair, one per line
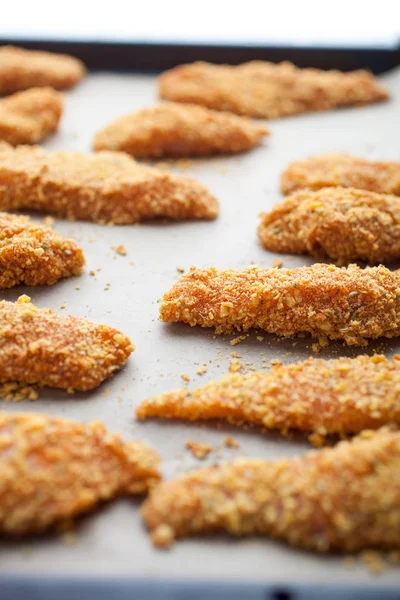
(38, 346)
(325, 301)
(267, 90)
(21, 69)
(104, 187)
(179, 130)
(344, 395)
(51, 470)
(341, 499)
(345, 224)
(331, 170)
(30, 116)
(34, 254)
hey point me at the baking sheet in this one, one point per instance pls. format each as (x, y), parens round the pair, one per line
(113, 541)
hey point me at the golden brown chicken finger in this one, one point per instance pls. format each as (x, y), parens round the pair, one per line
(51, 470)
(21, 69)
(331, 170)
(28, 117)
(342, 499)
(341, 223)
(326, 301)
(34, 254)
(268, 90)
(102, 187)
(62, 351)
(179, 130)
(345, 395)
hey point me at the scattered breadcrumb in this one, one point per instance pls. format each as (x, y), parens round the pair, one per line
(120, 249)
(16, 392)
(260, 338)
(237, 340)
(49, 222)
(202, 370)
(374, 561)
(235, 366)
(236, 355)
(230, 442)
(277, 263)
(185, 377)
(199, 450)
(180, 270)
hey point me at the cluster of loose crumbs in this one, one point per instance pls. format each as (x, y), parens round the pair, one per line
(38, 346)
(53, 469)
(345, 498)
(325, 301)
(35, 255)
(341, 223)
(268, 90)
(340, 396)
(14, 391)
(174, 130)
(199, 450)
(332, 170)
(103, 187)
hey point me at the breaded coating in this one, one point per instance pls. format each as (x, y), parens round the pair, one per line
(267, 90)
(34, 254)
(331, 170)
(344, 395)
(51, 470)
(61, 351)
(179, 130)
(102, 187)
(342, 499)
(342, 223)
(325, 301)
(21, 69)
(30, 116)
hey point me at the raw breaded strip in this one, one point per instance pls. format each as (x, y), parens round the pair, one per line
(28, 117)
(341, 223)
(344, 395)
(267, 90)
(342, 499)
(34, 254)
(179, 130)
(342, 170)
(102, 187)
(326, 301)
(21, 69)
(62, 351)
(51, 470)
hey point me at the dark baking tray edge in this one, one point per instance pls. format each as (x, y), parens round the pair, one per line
(88, 589)
(148, 56)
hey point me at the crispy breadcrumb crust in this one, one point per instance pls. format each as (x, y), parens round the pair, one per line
(62, 351)
(267, 90)
(331, 170)
(102, 187)
(21, 69)
(34, 254)
(344, 395)
(342, 499)
(341, 223)
(54, 469)
(30, 116)
(179, 130)
(353, 304)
